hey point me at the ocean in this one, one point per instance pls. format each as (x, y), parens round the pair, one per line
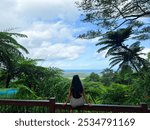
(81, 72)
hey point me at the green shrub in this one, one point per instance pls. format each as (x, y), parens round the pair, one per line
(94, 90)
(116, 94)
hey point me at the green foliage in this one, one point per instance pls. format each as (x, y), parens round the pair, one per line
(148, 57)
(112, 14)
(132, 78)
(60, 89)
(9, 43)
(125, 75)
(116, 94)
(141, 88)
(33, 81)
(107, 77)
(94, 90)
(24, 93)
(121, 53)
(10, 52)
(121, 87)
(114, 40)
(93, 77)
(41, 80)
(130, 57)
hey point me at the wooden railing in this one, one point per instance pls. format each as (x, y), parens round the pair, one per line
(53, 107)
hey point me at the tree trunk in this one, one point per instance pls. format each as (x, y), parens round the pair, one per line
(8, 80)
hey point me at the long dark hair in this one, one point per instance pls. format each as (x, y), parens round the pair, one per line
(76, 87)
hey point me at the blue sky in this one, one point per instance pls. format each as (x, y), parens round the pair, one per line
(52, 27)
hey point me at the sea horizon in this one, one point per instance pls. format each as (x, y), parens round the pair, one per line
(82, 70)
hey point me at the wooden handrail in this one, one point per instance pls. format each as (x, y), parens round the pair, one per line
(143, 108)
(107, 108)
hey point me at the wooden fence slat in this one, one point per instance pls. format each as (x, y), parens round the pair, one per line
(144, 107)
(52, 105)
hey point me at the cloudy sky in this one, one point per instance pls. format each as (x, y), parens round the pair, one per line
(52, 27)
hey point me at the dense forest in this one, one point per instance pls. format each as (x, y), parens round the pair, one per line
(129, 84)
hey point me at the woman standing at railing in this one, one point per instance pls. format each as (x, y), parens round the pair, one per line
(76, 94)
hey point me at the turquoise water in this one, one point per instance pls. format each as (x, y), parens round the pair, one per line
(8, 92)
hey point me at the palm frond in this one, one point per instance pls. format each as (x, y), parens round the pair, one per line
(105, 42)
(103, 48)
(5, 38)
(18, 35)
(115, 57)
(114, 63)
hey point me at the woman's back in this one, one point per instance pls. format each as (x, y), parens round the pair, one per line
(76, 87)
(76, 93)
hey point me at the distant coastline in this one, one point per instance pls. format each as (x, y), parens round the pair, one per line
(81, 72)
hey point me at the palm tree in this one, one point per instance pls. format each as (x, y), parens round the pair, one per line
(114, 40)
(113, 43)
(10, 52)
(130, 57)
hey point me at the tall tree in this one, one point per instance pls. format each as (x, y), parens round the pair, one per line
(10, 51)
(114, 43)
(112, 15)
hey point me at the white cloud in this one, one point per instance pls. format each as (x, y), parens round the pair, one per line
(146, 51)
(50, 26)
(47, 9)
(56, 52)
(9, 17)
(22, 13)
(68, 64)
(53, 41)
(75, 64)
(101, 55)
(39, 32)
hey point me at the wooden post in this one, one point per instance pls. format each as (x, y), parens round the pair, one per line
(52, 105)
(144, 107)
